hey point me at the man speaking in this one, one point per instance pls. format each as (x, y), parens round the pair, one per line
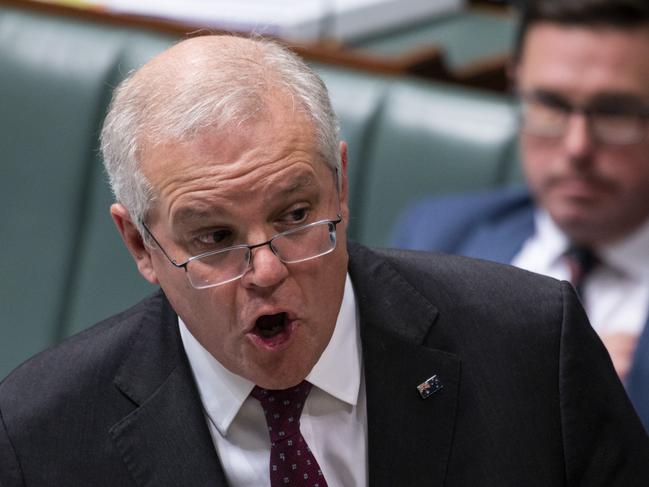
(276, 353)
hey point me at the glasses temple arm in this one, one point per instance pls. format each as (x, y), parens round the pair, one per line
(173, 262)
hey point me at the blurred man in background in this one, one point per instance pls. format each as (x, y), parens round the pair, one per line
(582, 75)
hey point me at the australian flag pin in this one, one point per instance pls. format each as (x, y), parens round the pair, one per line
(429, 387)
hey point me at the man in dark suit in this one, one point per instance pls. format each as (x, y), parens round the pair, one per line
(275, 352)
(582, 73)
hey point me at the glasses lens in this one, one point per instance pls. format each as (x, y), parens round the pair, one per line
(297, 245)
(305, 243)
(542, 119)
(546, 118)
(618, 129)
(218, 268)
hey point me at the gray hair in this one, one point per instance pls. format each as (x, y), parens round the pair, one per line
(222, 82)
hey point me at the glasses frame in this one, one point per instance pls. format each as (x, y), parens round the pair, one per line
(250, 247)
(588, 113)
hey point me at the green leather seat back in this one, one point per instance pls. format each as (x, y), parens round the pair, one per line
(357, 99)
(65, 266)
(53, 78)
(107, 280)
(515, 175)
(432, 139)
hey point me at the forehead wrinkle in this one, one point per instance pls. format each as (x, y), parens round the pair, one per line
(304, 180)
(258, 170)
(276, 185)
(213, 170)
(188, 214)
(206, 203)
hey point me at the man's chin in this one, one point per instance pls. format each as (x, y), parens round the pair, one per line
(581, 225)
(577, 198)
(279, 379)
(280, 371)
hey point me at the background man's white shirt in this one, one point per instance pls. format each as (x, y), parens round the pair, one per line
(616, 293)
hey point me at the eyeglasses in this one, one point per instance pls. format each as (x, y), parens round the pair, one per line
(614, 124)
(219, 267)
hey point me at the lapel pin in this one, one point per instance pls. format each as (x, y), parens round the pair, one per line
(429, 387)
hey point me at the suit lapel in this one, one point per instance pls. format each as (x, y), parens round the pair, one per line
(638, 377)
(409, 438)
(165, 440)
(501, 239)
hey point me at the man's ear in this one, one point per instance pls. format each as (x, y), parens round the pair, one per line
(344, 184)
(133, 240)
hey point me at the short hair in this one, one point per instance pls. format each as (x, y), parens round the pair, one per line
(619, 14)
(225, 88)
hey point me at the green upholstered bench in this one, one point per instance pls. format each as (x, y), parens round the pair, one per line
(431, 139)
(64, 266)
(54, 84)
(56, 76)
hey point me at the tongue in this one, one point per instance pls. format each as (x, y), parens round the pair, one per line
(268, 326)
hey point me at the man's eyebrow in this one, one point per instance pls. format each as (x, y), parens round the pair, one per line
(189, 214)
(296, 184)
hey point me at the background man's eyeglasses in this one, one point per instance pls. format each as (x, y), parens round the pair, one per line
(550, 117)
(219, 267)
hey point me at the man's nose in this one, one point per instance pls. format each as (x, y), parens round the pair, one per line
(266, 269)
(578, 140)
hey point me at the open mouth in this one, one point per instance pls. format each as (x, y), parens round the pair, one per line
(268, 326)
(273, 332)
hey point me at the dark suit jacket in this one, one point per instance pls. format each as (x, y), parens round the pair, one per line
(529, 395)
(494, 226)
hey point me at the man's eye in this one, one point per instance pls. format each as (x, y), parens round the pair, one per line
(216, 237)
(297, 215)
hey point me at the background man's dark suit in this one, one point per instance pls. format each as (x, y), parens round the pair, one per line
(529, 396)
(494, 225)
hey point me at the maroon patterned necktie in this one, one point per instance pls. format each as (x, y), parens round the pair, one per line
(291, 460)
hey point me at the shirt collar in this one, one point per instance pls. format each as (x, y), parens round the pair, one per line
(222, 392)
(631, 254)
(337, 371)
(550, 237)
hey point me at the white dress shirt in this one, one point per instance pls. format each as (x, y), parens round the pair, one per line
(333, 422)
(615, 293)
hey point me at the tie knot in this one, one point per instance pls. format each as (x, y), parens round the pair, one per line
(583, 256)
(581, 261)
(282, 409)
